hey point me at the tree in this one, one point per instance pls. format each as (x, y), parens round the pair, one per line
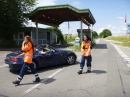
(105, 33)
(101, 34)
(95, 34)
(60, 37)
(12, 17)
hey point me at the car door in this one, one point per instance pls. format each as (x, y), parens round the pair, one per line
(44, 59)
(58, 57)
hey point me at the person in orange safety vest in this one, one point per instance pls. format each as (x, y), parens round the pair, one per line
(28, 52)
(86, 54)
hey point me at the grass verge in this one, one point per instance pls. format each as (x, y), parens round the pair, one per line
(120, 40)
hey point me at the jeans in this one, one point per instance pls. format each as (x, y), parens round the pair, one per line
(25, 68)
(88, 59)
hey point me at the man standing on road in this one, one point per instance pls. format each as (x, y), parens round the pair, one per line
(28, 52)
(86, 54)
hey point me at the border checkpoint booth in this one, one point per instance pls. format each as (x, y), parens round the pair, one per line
(57, 14)
(85, 32)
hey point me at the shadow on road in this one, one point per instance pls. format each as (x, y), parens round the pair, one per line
(98, 71)
(49, 80)
(45, 81)
(100, 46)
(3, 95)
(44, 69)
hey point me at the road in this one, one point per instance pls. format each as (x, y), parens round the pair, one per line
(110, 76)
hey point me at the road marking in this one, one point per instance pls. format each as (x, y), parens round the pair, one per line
(79, 57)
(97, 40)
(128, 65)
(38, 84)
(3, 66)
(124, 56)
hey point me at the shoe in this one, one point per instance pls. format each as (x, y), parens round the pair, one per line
(16, 82)
(88, 71)
(37, 80)
(79, 72)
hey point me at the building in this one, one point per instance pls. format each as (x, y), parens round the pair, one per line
(85, 32)
(45, 36)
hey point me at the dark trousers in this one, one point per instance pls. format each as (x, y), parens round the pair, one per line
(24, 70)
(88, 59)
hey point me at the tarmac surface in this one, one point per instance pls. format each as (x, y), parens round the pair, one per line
(110, 76)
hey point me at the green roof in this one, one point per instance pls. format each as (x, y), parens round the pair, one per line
(50, 11)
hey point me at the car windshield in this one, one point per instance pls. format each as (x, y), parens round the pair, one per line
(47, 48)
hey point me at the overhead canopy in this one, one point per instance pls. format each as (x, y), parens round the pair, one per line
(55, 15)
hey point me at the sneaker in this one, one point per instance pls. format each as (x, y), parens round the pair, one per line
(37, 80)
(79, 72)
(88, 71)
(16, 82)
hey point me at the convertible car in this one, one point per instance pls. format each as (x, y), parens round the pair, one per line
(53, 57)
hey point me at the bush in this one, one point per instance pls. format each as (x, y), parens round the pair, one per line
(7, 43)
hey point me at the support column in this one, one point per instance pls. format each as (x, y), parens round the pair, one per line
(81, 32)
(36, 33)
(18, 39)
(90, 32)
(56, 35)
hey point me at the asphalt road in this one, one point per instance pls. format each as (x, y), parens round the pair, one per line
(110, 77)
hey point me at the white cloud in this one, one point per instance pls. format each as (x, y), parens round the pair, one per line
(62, 26)
(116, 29)
(109, 26)
(45, 2)
(121, 18)
(113, 27)
(76, 3)
(100, 30)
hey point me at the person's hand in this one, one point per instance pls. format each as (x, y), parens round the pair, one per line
(45, 52)
(19, 56)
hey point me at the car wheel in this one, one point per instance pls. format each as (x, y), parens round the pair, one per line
(35, 66)
(71, 59)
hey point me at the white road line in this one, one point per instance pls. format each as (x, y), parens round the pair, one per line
(79, 57)
(128, 65)
(124, 56)
(35, 86)
(97, 40)
(3, 66)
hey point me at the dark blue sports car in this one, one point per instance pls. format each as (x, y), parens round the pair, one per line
(52, 57)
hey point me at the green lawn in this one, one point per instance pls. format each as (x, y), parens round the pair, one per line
(121, 40)
(70, 40)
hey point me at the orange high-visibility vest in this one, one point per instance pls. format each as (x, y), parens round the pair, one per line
(86, 48)
(28, 53)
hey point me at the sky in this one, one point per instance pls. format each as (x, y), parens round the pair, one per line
(109, 14)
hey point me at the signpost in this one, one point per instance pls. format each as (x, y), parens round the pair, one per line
(77, 39)
(128, 29)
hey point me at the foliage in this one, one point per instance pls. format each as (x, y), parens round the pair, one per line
(105, 33)
(7, 43)
(77, 48)
(60, 37)
(120, 40)
(95, 34)
(74, 48)
(12, 17)
(70, 40)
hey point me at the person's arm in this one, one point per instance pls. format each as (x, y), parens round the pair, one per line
(20, 55)
(82, 44)
(27, 47)
(43, 52)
